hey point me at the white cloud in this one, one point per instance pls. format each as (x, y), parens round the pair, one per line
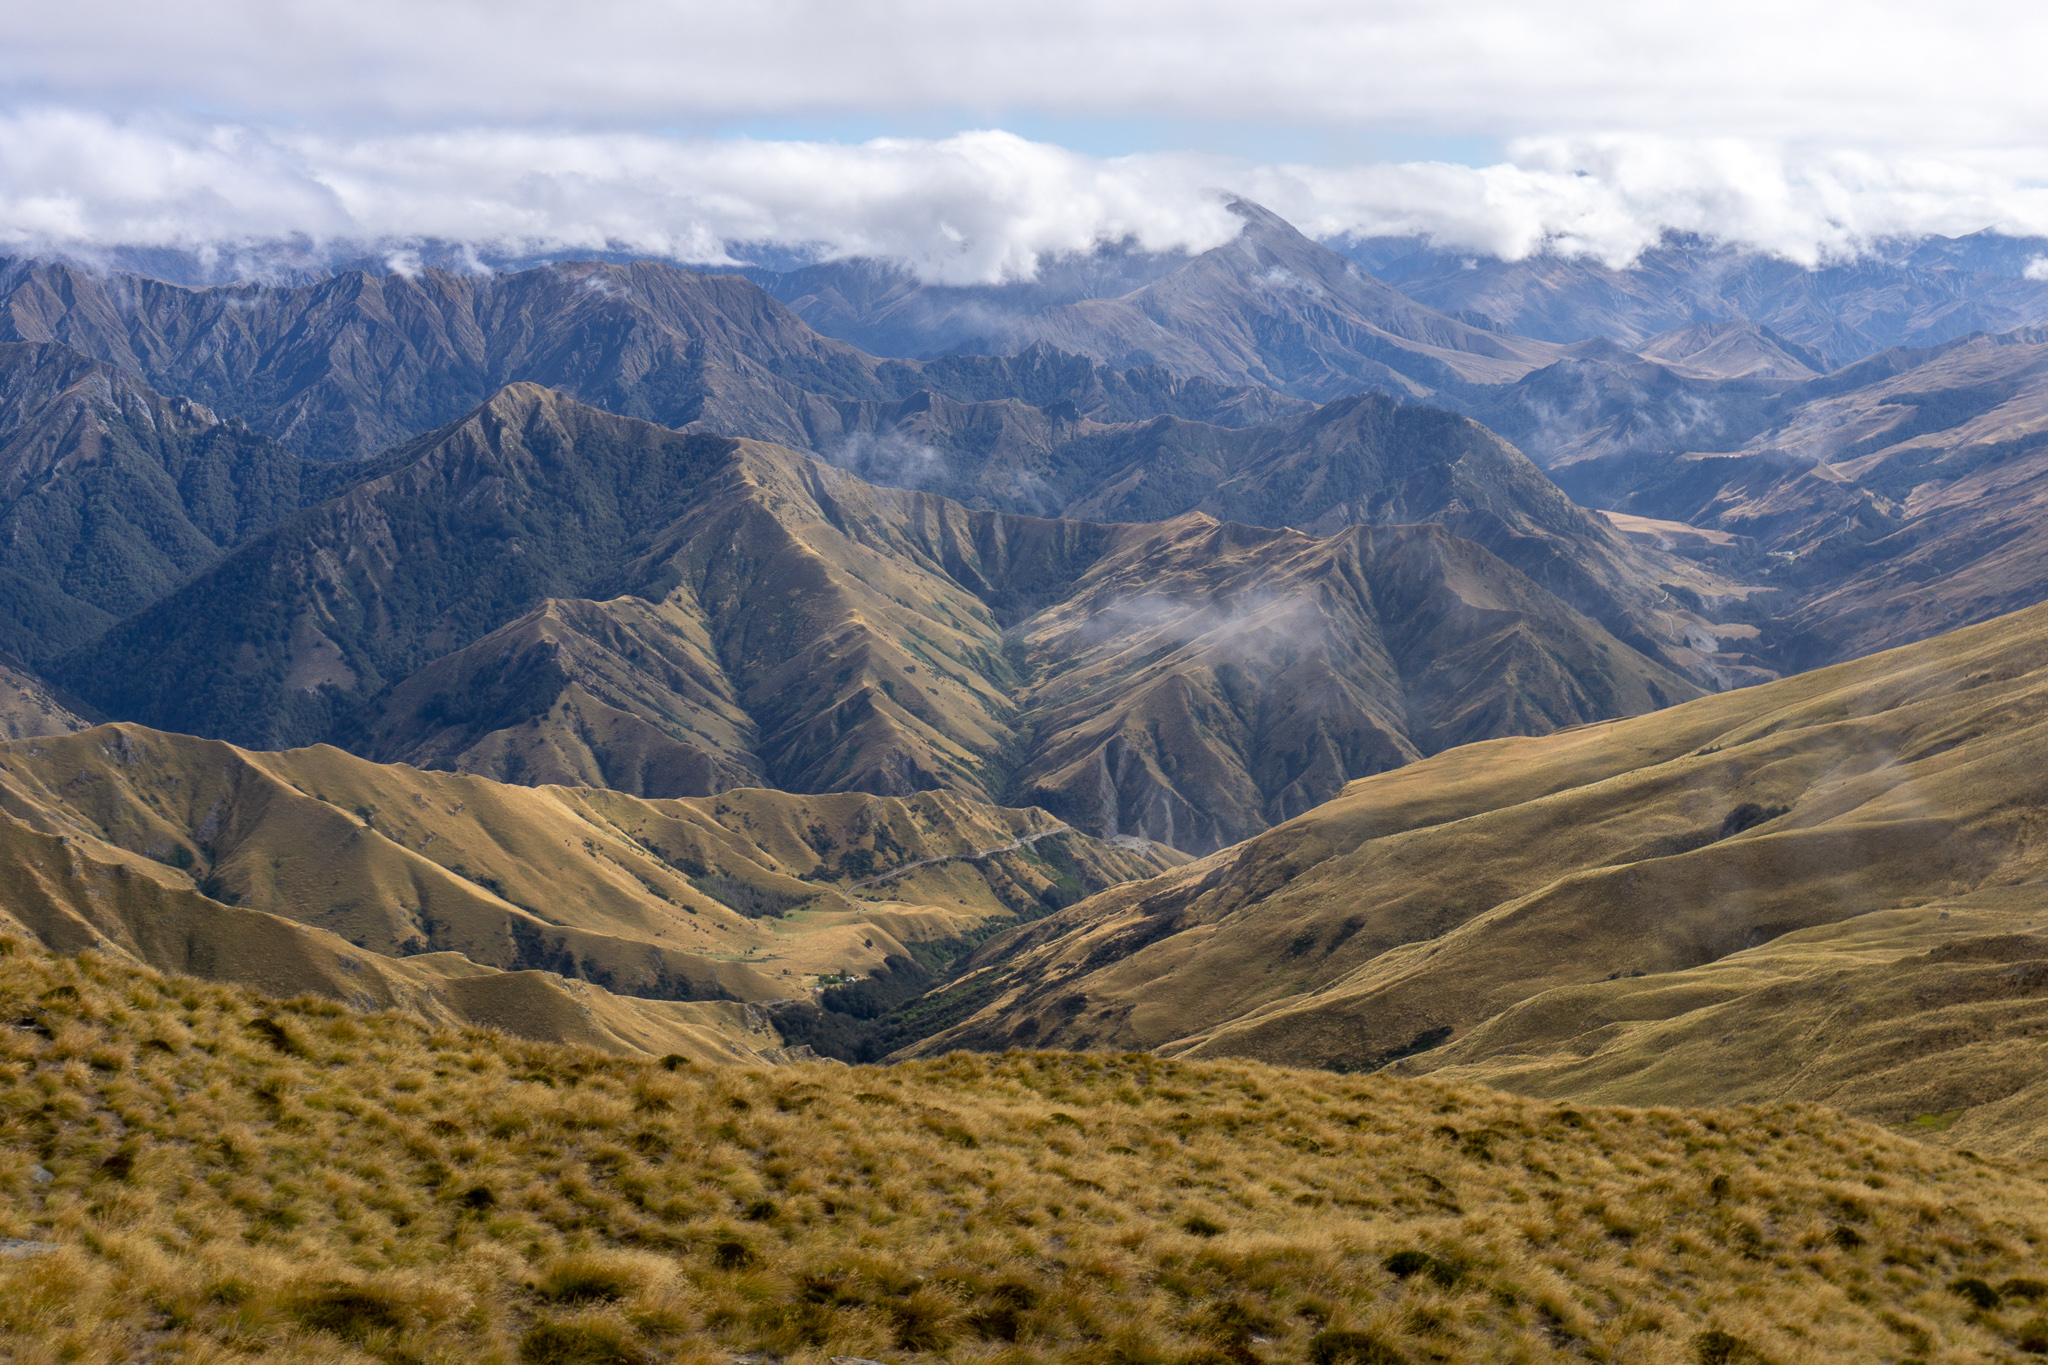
(521, 126)
(970, 208)
(1880, 73)
(1612, 196)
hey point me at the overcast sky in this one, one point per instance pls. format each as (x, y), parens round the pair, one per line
(972, 138)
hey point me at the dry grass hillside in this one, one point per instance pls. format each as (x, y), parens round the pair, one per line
(313, 870)
(29, 708)
(196, 1173)
(1826, 888)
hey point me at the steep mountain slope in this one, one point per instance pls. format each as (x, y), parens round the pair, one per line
(112, 494)
(359, 362)
(548, 591)
(626, 694)
(30, 708)
(1364, 460)
(483, 1198)
(449, 538)
(1735, 349)
(1270, 308)
(1854, 847)
(1205, 680)
(1937, 290)
(191, 855)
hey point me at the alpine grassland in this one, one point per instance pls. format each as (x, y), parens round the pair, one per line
(192, 1172)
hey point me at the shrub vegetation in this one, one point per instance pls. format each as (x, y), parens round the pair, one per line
(229, 1178)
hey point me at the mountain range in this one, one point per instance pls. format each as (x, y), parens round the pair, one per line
(545, 591)
(602, 649)
(1049, 431)
(1917, 293)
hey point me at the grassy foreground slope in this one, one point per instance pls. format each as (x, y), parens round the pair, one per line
(209, 1175)
(1833, 887)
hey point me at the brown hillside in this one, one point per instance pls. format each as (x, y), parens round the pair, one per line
(195, 1172)
(1818, 888)
(313, 870)
(29, 708)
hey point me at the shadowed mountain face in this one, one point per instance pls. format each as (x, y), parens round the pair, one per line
(544, 591)
(351, 365)
(1205, 679)
(112, 494)
(1827, 887)
(359, 362)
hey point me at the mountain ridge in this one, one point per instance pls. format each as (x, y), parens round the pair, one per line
(835, 634)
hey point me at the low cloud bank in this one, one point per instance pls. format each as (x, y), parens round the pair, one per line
(976, 208)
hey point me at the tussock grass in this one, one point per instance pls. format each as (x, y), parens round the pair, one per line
(233, 1178)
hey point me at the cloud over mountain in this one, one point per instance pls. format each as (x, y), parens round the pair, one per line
(977, 207)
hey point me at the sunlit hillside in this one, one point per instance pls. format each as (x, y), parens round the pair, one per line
(195, 1173)
(571, 914)
(1827, 888)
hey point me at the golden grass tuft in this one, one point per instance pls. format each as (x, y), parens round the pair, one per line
(342, 1187)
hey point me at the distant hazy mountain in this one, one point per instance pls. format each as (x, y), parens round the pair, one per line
(350, 365)
(883, 308)
(1915, 294)
(545, 591)
(1903, 495)
(1271, 308)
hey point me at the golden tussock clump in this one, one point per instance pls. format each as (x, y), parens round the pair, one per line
(222, 1177)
